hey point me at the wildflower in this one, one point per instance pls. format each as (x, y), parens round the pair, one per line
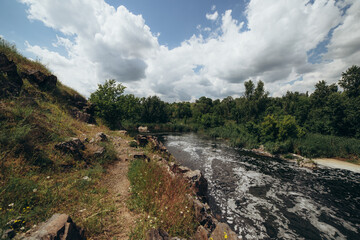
(225, 235)
(34, 190)
(148, 216)
(11, 205)
(48, 177)
(0, 208)
(181, 212)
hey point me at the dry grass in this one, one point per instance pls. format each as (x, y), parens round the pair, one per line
(163, 200)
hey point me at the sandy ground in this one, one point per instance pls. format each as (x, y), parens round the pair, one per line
(334, 163)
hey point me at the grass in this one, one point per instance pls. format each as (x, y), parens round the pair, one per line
(36, 180)
(163, 200)
(22, 62)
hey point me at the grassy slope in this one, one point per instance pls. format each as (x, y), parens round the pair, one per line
(35, 179)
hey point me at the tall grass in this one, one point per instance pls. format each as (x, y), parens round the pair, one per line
(163, 200)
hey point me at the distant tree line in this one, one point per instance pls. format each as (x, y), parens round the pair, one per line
(326, 111)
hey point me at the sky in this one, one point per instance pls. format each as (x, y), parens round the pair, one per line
(182, 50)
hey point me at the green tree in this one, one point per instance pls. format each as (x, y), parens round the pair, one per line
(350, 81)
(107, 100)
(154, 110)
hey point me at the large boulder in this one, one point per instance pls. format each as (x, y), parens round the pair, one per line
(45, 82)
(199, 182)
(59, 226)
(10, 81)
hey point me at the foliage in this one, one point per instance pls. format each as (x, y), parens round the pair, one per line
(107, 99)
(350, 81)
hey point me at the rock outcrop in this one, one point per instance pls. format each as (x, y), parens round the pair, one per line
(10, 80)
(73, 146)
(43, 81)
(59, 226)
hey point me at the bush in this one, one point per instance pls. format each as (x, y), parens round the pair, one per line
(317, 145)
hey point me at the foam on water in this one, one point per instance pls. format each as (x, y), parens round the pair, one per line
(264, 198)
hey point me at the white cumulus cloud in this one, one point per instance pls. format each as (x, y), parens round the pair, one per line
(212, 16)
(273, 45)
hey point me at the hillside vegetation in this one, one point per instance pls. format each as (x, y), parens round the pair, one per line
(36, 179)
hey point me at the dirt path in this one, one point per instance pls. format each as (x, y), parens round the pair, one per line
(117, 183)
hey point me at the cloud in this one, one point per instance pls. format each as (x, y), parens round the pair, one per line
(213, 16)
(108, 42)
(103, 42)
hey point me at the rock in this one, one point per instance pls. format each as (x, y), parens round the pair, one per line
(123, 132)
(198, 181)
(157, 234)
(156, 144)
(73, 146)
(99, 152)
(141, 140)
(201, 233)
(45, 82)
(141, 156)
(81, 116)
(223, 231)
(306, 163)
(101, 137)
(10, 81)
(143, 129)
(7, 234)
(59, 226)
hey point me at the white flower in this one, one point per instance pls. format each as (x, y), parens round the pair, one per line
(34, 190)
(11, 205)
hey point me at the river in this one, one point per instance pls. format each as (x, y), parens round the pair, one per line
(268, 198)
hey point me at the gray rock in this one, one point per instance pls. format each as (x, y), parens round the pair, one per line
(73, 146)
(199, 182)
(7, 234)
(101, 137)
(59, 226)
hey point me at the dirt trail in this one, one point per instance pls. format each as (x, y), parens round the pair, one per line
(117, 183)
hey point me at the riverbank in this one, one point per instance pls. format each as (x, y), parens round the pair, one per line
(335, 163)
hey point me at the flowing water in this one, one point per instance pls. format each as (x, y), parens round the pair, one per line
(268, 198)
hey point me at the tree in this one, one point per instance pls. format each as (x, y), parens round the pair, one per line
(350, 81)
(154, 110)
(107, 100)
(249, 89)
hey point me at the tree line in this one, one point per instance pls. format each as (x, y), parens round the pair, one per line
(326, 111)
